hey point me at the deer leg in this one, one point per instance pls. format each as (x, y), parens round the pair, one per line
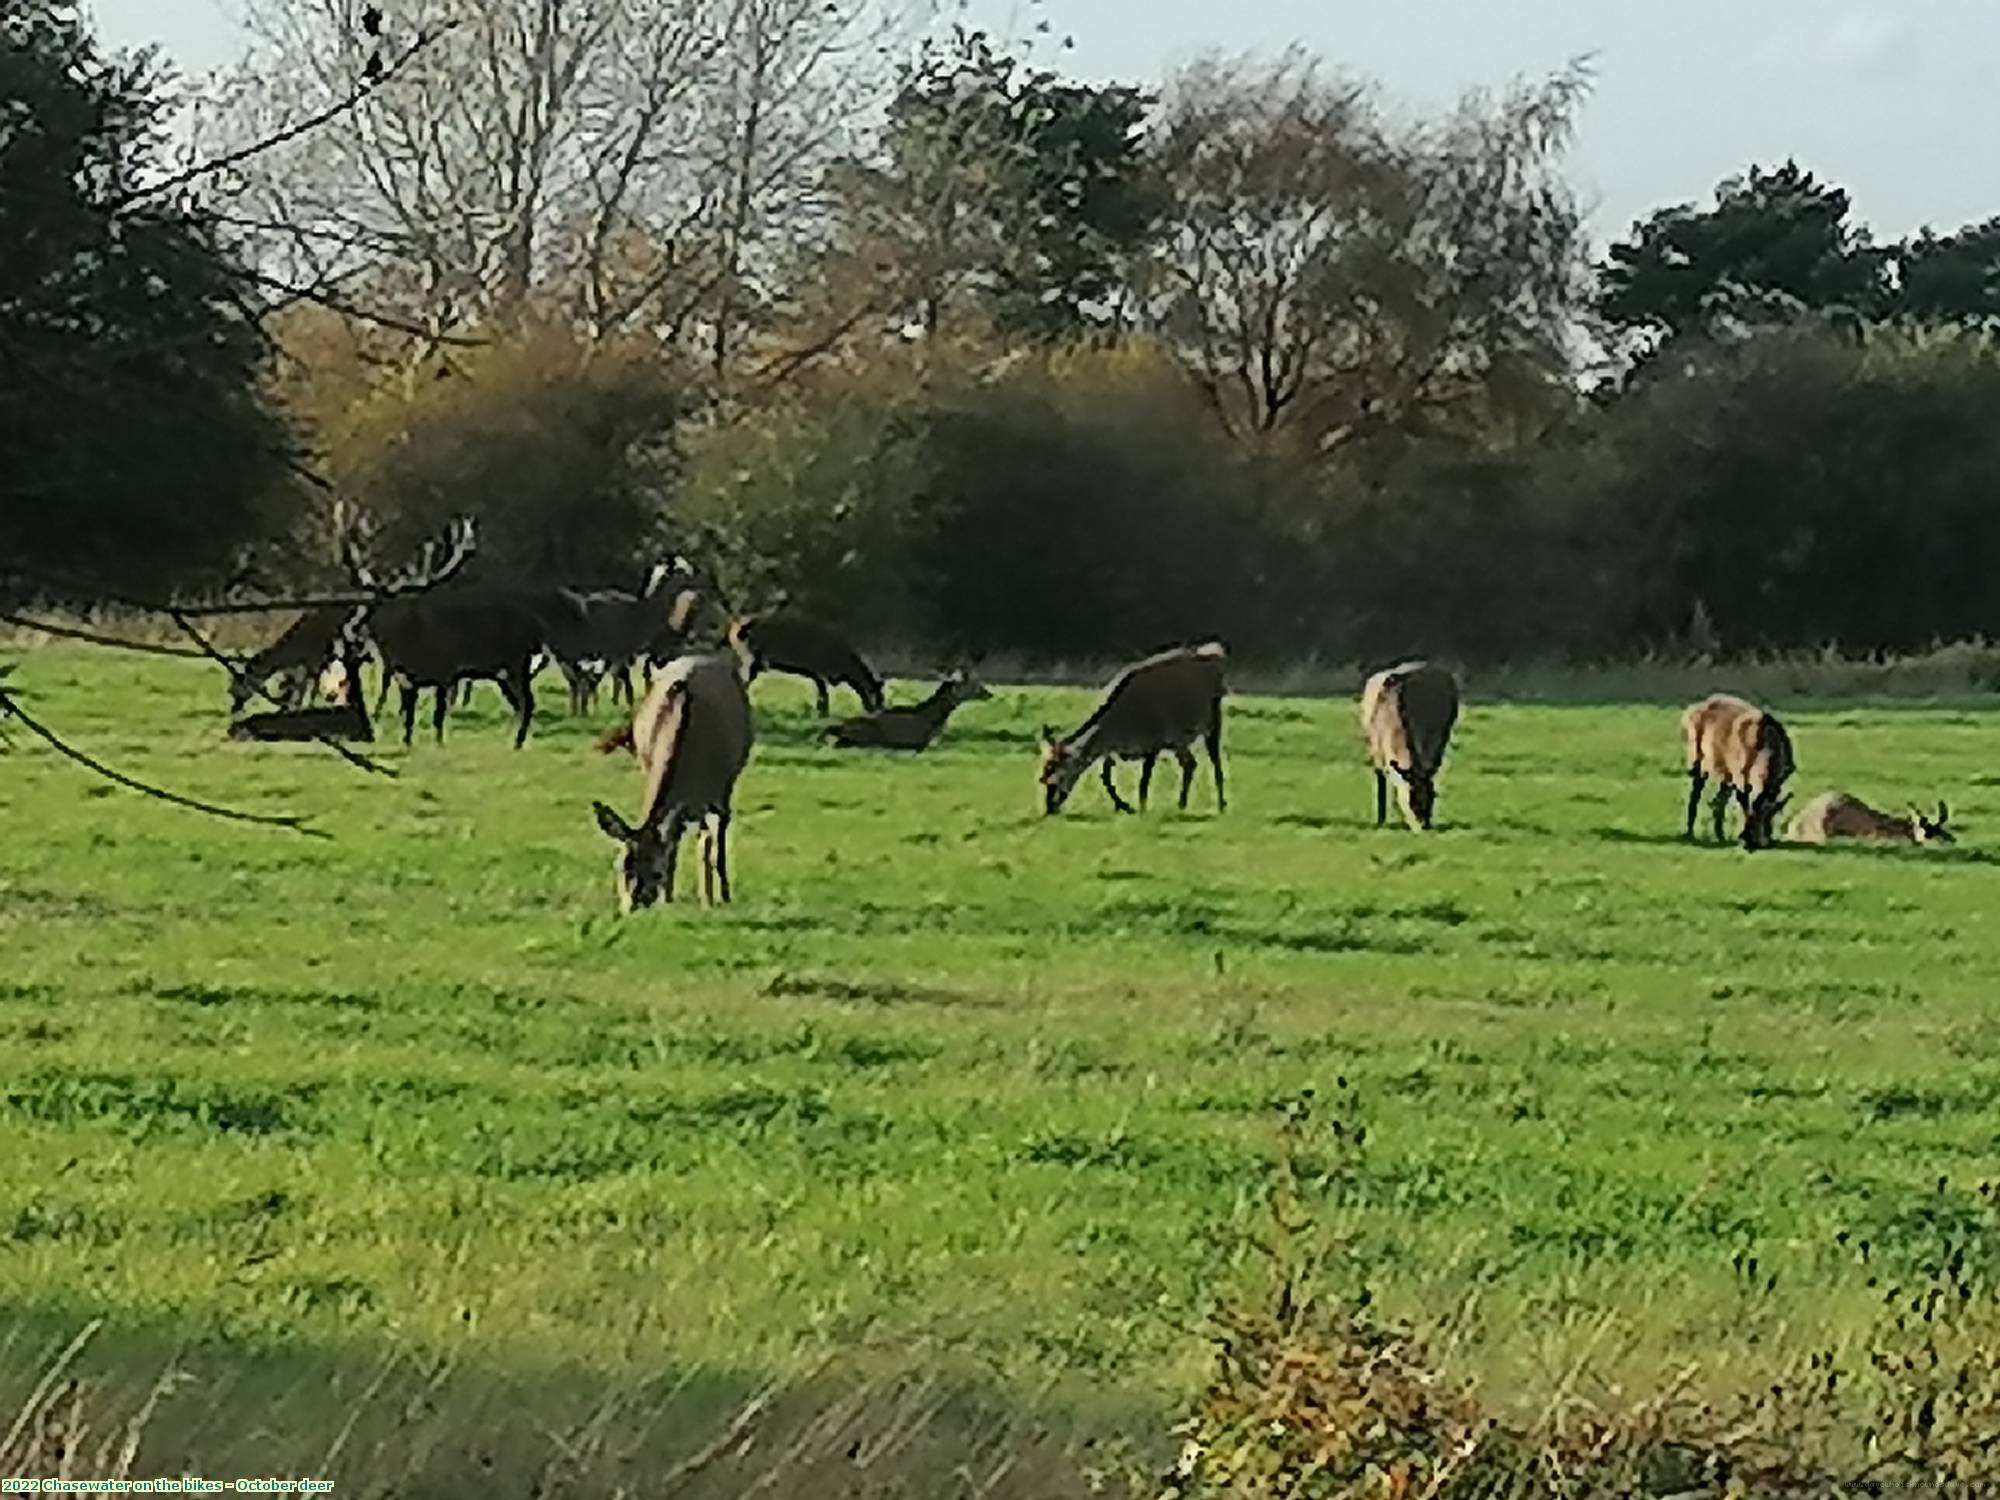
(819, 692)
(1718, 807)
(1111, 788)
(1381, 796)
(440, 706)
(520, 696)
(1696, 781)
(670, 834)
(722, 855)
(409, 704)
(1145, 776)
(1186, 757)
(1212, 742)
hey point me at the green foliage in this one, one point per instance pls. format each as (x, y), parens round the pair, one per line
(1774, 241)
(135, 448)
(1806, 488)
(561, 450)
(1012, 189)
(1951, 278)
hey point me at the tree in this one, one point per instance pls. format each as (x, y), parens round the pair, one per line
(1326, 274)
(1953, 278)
(1774, 243)
(134, 449)
(628, 162)
(1003, 189)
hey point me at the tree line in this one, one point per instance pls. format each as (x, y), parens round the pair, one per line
(904, 325)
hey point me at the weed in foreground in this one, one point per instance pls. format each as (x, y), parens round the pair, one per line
(1313, 1397)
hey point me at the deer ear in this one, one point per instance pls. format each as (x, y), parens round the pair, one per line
(612, 824)
(1944, 813)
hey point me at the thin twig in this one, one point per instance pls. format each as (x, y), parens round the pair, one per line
(290, 133)
(293, 821)
(72, 633)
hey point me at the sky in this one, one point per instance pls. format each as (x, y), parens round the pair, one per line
(1898, 101)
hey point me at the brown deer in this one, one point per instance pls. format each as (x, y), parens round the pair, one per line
(783, 642)
(343, 719)
(1160, 705)
(913, 727)
(692, 737)
(1836, 817)
(1407, 713)
(300, 652)
(1749, 753)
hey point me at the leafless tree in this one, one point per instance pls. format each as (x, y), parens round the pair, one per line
(1327, 271)
(627, 160)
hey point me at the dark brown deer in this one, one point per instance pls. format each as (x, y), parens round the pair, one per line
(442, 637)
(346, 719)
(913, 727)
(616, 631)
(784, 642)
(1157, 706)
(301, 651)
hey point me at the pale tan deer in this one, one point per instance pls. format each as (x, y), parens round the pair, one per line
(1161, 705)
(913, 727)
(1837, 817)
(1407, 714)
(692, 737)
(784, 642)
(1748, 753)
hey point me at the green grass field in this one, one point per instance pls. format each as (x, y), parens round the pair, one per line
(953, 1074)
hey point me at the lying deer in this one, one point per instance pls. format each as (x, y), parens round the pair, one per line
(344, 719)
(1407, 713)
(1161, 705)
(913, 727)
(1749, 753)
(692, 737)
(1836, 817)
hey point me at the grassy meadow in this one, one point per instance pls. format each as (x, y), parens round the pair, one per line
(953, 1082)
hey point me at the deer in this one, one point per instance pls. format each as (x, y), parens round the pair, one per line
(913, 727)
(616, 631)
(1407, 715)
(437, 638)
(790, 643)
(1160, 705)
(300, 652)
(1837, 817)
(692, 737)
(1749, 753)
(345, 718)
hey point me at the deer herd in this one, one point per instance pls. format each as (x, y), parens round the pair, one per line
(691, 732)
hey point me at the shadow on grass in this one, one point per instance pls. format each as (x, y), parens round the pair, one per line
(394, 1423)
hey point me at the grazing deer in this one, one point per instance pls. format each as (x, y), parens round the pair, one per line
(1407, 713)
(913, 727)
(300, 652)
(1836, 817)
(1160, 705)
(1749, 753)
(692, 738)
(791, 643)
(343, 719)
